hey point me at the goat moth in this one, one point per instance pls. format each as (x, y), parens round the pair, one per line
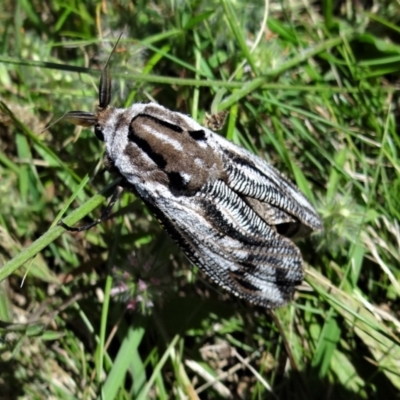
(232, 213)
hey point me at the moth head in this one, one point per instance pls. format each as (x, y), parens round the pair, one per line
(87, 119)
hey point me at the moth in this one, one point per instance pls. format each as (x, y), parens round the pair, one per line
(232, 213)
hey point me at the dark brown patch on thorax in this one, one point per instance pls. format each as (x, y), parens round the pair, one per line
(174, 151)
(174, 118)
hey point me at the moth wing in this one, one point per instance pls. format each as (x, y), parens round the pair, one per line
(267, 191)
(221, 234)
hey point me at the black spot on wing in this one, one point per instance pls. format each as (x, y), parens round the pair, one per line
(287, 277)
(198, 135)
(288, 229)
(250, 268)
(176, 180)
(145, 146)
(245, 284)
(161, 122)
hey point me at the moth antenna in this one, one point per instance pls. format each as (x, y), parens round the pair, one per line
(105, 80)
(53, 123)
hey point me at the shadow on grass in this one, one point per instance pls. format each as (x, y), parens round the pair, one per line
(190, 317)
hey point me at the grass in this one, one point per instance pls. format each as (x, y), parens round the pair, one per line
(117, 311)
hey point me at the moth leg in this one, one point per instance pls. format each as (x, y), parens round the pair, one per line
(104, 215)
